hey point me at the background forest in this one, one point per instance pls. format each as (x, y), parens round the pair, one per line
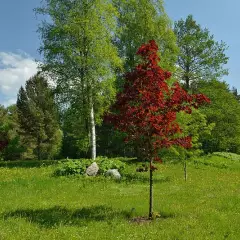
(87, 48)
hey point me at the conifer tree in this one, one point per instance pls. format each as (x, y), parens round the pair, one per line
(37, 116)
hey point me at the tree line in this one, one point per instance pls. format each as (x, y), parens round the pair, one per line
(87, 48)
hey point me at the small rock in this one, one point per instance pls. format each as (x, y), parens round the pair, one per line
(92, 170)
(114, 173)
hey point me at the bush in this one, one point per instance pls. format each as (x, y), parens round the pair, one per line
(105, 164)
(71, 167)
(213, 162)
(74, 167)
(228, 155)
(219, 160)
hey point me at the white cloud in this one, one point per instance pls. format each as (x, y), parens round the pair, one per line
(15, 70)
(8, 102)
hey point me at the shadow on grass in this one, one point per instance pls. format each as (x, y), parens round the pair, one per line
(131, 161)
(56, 216)
(27, 163)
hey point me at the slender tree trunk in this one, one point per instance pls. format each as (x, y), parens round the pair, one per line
(185, 170)
(187, 79)
(151, 191)
(93, 132)
(187, 83)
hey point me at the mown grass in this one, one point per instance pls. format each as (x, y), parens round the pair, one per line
(37, 205)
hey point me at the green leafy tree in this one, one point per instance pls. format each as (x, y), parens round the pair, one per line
(201, 57)
(111, 143)
(75, 135)
(15, 147)
(224, 112)
(196, 126)
(9, 133)
(38, 119)
(140, 21)
(4, 128)
(80, 56)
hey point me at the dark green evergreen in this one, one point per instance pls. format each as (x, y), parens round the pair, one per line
(38, 120)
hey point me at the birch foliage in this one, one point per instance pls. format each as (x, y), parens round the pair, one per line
(79, 54)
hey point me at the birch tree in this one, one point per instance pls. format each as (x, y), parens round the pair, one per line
(79, 54)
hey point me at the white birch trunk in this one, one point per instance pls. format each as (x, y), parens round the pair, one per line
(93, 133)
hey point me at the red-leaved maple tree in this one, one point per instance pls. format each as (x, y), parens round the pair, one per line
(146, 108)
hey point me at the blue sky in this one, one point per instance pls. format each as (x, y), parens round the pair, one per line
(19, 40)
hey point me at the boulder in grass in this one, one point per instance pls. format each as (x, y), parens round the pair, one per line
(114, 173)
(92, 170)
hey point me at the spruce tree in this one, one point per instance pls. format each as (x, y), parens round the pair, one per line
(37, 116)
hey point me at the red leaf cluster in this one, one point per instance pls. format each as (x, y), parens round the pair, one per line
(147, 106)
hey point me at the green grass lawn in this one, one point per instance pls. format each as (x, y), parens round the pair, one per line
(37, 205)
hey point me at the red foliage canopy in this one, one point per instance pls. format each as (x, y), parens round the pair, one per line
(146, 108)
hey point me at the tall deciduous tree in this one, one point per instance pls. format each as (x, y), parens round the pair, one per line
(147, 107)
(196, 126)
(78, 51)
(224, 112)
(10, 142)
(201, 57)
(140, 21)
(38, 118)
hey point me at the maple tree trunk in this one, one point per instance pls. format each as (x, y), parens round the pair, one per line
(93, 133)
(151, 191)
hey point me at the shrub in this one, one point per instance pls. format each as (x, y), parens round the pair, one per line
(105, 164)
(74, 167)
(212, 162)
(71, 167)
(228, 155)
(219, 160)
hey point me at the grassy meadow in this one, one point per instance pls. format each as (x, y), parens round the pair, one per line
(35, 204)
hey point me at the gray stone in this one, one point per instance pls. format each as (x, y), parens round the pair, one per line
(92, 170)
(114, 173)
